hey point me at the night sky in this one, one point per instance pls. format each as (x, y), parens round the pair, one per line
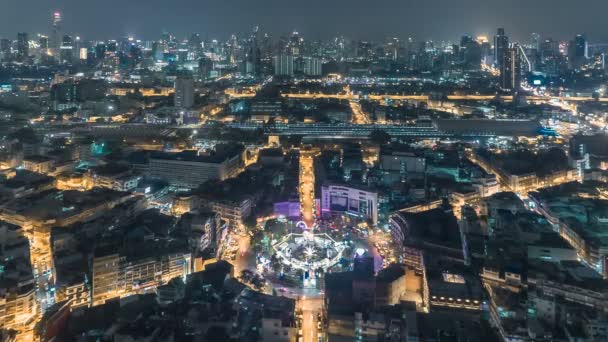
(357, 19)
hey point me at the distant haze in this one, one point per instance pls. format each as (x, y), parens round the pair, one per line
(315, 19)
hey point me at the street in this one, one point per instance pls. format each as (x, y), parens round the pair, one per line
(311, 307)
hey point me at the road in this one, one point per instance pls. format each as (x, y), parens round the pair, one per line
(244, 257)
(425, 98)
(311, 307)
(307, 185)
(359, 116)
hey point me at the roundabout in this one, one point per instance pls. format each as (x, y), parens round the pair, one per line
(308, 251)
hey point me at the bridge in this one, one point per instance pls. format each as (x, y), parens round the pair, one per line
(443, 129)
(446, 128)
(423, 98)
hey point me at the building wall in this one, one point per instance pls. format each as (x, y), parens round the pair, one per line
(79, 295)
(190, 173)
(233, 213)
(39, 167)
(274, 331)
(554, 254)
(353, 197)
(403, 163)
(114, 276)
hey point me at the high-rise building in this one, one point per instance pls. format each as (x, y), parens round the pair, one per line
(283, 65)
(184, 92)
(252, 61)
(5, 48)
(55, 41)
(578, 51)
(67, 49)
(471, 53)
(205, 66)
(535, 41)
(23, 47)
(44, 42)
(312, 66)
(510, 72)
(501, 45)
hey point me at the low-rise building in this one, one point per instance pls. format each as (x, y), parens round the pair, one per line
(189, 169)
(37, 163)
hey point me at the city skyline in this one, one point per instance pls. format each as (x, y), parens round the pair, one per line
(316, 20)
(317, 171)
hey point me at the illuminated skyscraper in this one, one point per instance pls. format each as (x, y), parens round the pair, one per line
(510, 72)
(44, 42)
(55, 41)
(501, 45)
(67, 49)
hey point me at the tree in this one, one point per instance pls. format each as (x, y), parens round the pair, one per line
(380, 137)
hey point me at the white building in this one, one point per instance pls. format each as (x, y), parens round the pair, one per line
(312, 66)
(283, 65)
(349, 200)
(190, 169)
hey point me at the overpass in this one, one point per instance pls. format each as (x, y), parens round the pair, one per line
(424, 98)
(443, 129)
(446, 128)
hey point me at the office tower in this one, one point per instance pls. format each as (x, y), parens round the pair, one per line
(184, 92)
(66, 51)
(205, 66)
(83, 54)
(157, 51)
(252, 63)
(283, 65)
(578, 52)
(44, 43)
(501, 45)
(233, 49)
(23, 47)
(5, 47)
(55, 41)
(470, 53)
(535, 41)
(510, 72)
(195, 46)
(100, 50)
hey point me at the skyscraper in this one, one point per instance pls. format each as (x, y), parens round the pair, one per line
(67, 49)
(184, 92)
(44, 42)
(312, 66)
(5, 48)
(283, 65)
(501, 45)
(205, 66)
(471, 53)
(55, 41)
(23, 47)
(511, 68)
(578, 51)
(252, 55)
